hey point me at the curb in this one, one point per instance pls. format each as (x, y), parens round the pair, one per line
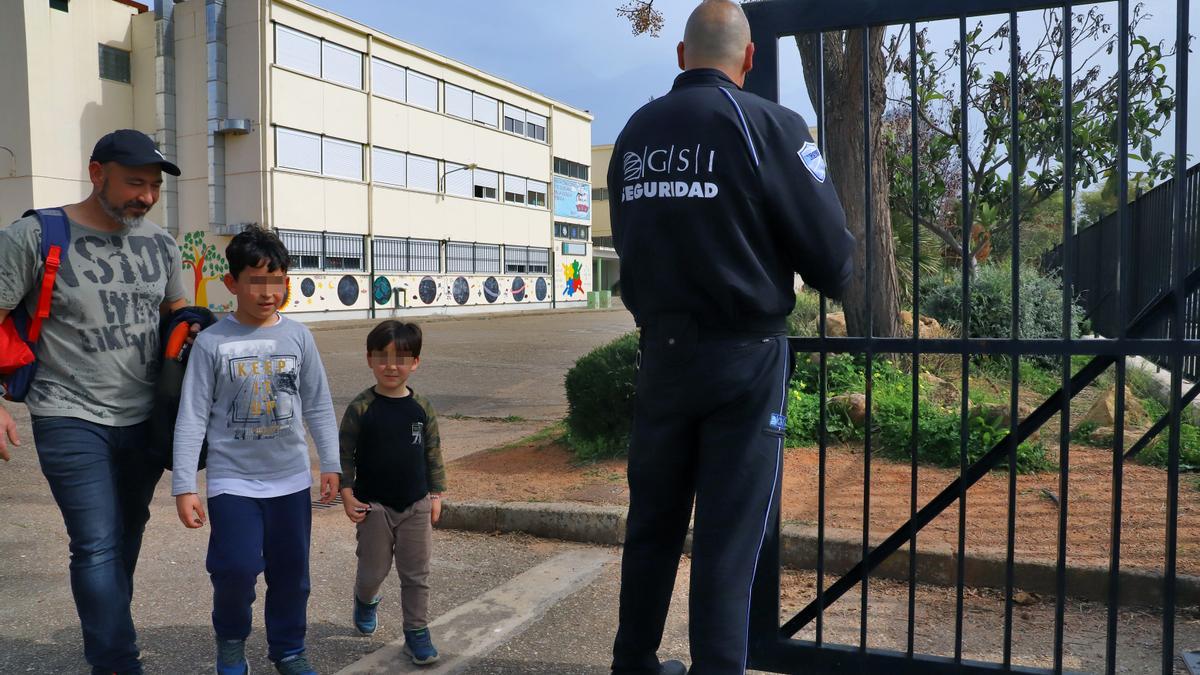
(937, 564)
(350, 324)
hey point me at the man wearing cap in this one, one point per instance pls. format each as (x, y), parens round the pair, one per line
(98, 358)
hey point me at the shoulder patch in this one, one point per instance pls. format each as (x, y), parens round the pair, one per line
(810, 154)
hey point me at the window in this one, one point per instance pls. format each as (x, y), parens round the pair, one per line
(60, 5)
(304, 249)
(344, 252)
(393, 254)
(515, 189)
(514, 119)
(389, 167)
(424, 255)
(539, 260)
(535, 127)
(537, 193)
(298, 51)
(341, 64)
(566, 167)
(526, 260)
(570, 231)
(422, 173)
(458, 101)
(422, 90)
(487, 258)
(390, 254)
(485, 109)
(387, 79)
(458, 180)
(569, 248)
(341, 159)
(460, 257)
(486, 183)
(114, 64)
(516, 260)
(600, 194)
(297, 150)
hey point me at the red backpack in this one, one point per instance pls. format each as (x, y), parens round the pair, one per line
(19, 332)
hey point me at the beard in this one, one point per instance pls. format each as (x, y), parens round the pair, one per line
(121, 214)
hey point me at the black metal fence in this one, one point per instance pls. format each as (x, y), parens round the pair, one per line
(1154, 329)
(1096, 274)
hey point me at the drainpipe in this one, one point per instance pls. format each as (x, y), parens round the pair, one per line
(217, 57)
(369, 244)
(164, 107)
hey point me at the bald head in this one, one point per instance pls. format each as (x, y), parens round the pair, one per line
(717, 36)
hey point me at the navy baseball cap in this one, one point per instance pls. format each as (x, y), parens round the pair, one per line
(130, 147)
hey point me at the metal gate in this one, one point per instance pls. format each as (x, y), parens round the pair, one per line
(1152, 328)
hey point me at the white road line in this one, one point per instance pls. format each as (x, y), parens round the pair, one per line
(471, 630)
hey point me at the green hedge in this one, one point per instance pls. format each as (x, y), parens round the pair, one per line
(600, 389)
(991, 304)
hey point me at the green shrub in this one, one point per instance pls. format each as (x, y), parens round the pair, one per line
(806, 316)
(600, 388)
(991, 304)
(1189, 449)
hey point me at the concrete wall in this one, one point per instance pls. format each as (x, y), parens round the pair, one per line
(54, 98)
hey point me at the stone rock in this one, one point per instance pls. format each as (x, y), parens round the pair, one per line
(928, 323)
(853, 405)
(936, 389)
(835, 324)
(998, 413)
(1103, 411)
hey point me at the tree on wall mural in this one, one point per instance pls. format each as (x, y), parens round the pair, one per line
(206, 262)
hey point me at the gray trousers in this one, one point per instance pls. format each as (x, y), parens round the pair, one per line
(407, 537)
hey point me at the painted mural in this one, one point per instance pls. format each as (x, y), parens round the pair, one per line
(572, 279)
(207, 265)
(317, 292)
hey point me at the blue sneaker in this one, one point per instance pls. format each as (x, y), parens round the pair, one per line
(419, 646)
(231, 657)
(366, 617)
(296, 664)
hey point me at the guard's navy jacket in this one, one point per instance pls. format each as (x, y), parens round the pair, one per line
(717, 196)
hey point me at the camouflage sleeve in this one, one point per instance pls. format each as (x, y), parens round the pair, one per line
(348, 434)
(434, 466)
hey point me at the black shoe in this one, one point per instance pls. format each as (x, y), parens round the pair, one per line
(672, 668)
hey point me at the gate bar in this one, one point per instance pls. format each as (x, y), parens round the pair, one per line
(1014, 61)
(916, 334)
(868, 377)
(967, 257)
(1182, 45)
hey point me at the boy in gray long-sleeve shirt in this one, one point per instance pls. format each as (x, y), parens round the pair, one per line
(251, 379)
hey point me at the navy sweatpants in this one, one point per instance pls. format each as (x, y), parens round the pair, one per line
(250, 536)
(707, 428)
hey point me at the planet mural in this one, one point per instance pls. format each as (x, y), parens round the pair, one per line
(461, 290)
(491, 289)
(427, 290)
(287, 294)
(518, 289)
(382, 290)
(307, 287)
(347, 290)
(540, 289)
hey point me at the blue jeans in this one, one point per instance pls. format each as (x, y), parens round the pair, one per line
(250, 536)
(103, 486)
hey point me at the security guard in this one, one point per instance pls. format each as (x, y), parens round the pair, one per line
(718, 197)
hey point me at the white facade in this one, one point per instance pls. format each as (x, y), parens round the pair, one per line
(402, 181)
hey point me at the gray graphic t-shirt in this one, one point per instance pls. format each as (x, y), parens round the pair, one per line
(98, 356)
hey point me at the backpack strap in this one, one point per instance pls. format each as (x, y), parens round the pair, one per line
(56, 236)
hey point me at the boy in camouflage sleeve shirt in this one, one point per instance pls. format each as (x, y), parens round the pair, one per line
(394, 476)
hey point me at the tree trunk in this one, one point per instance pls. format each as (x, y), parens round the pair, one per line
(844, 53)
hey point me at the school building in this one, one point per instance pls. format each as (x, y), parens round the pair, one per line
(402, 181)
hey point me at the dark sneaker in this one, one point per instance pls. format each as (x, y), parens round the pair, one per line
(366, 615)
(419, 646)
(672, 668)
(231, 657)
(296, 664)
